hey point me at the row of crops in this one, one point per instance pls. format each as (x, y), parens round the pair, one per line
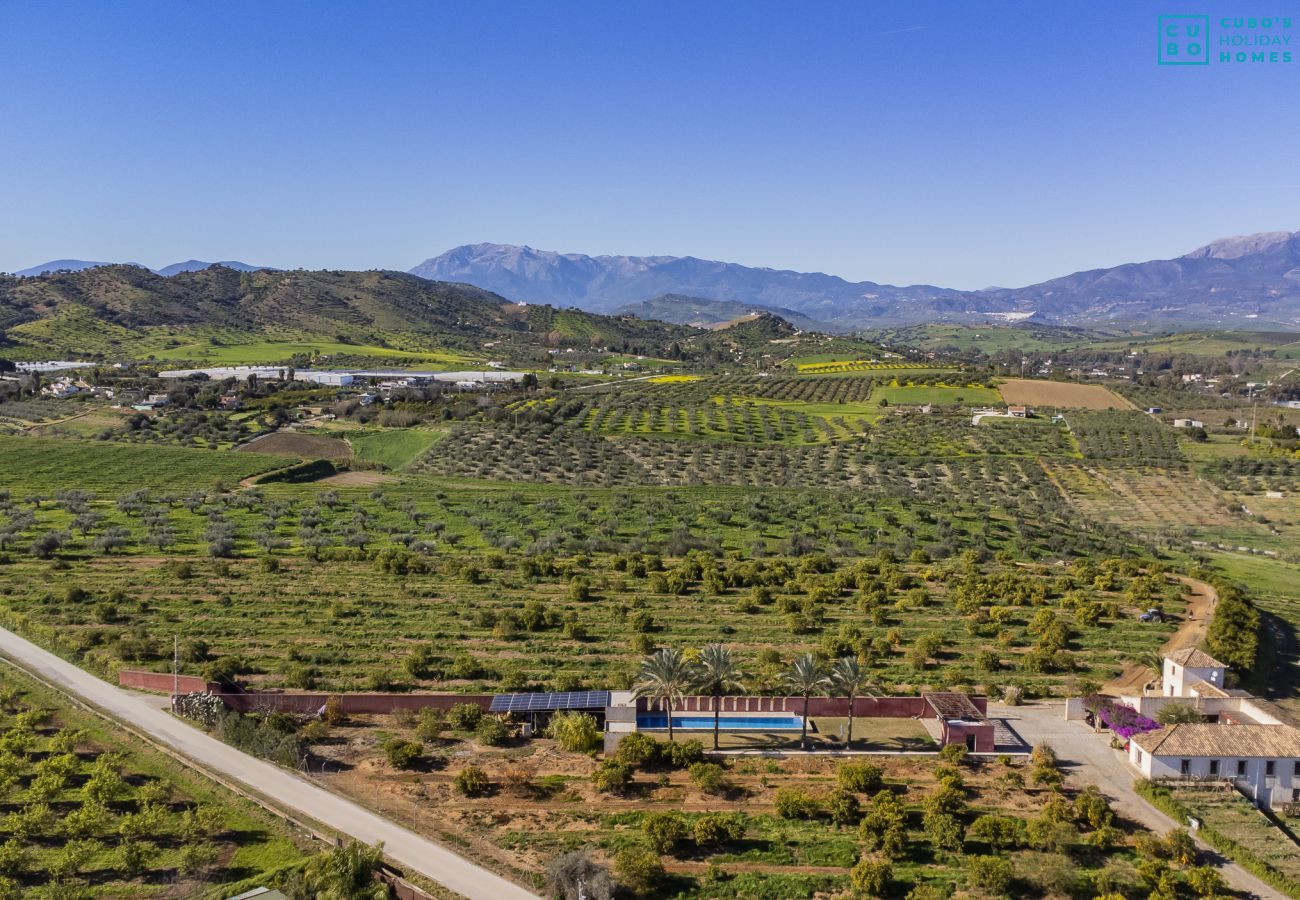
(79, 821)
(1124, 438)
(1254, 473)
(856, 365)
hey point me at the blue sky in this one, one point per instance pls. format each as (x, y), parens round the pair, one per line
(961, 144)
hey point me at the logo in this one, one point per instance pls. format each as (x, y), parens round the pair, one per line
(1199, 41)
(1184, 41)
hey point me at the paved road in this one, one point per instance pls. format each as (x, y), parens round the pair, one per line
(1088, 759)
(408, 849)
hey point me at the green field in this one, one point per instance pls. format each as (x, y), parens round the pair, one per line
(46, 465)
(971, 395)
(393, 448)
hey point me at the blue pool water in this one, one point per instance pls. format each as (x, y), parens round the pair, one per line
(726, 723)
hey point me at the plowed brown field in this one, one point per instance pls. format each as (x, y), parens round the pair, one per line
(1029, 392)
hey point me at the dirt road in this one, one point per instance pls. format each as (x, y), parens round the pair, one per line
(285, 789)
(1191, 633)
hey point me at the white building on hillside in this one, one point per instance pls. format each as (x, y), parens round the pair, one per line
(1251, 743)
(1193, 673)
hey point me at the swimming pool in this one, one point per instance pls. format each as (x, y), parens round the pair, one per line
(654, 722)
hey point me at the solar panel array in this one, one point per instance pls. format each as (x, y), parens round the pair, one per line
(537, 702)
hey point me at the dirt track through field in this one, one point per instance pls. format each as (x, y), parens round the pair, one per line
(1191, 633)
(1032, 392)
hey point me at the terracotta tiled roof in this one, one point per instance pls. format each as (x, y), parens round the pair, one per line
(1189, 740)
(1195, 658)
(1206, 689)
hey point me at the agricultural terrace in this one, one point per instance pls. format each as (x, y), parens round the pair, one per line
(1060, 395)
(503, 589)
(668, 823)
(89, 812)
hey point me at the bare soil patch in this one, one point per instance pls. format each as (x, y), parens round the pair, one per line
(1030, 392)
(304, 446)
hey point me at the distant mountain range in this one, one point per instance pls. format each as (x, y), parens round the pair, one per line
(1252, 280)
(77, 265)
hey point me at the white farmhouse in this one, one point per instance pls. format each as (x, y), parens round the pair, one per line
(1246, 741)
(1262, 760)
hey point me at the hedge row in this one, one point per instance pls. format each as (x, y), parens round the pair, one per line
(1161, 799)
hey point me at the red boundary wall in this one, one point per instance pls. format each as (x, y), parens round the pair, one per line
(355, 704)
(163, 683)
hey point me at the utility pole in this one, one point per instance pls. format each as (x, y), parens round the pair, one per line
(176, 669)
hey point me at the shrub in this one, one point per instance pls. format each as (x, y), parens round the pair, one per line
(990, 873)
(998, 832)
(953, 753)
(402, 754)
(472, 782)
(637, 750)
(871, 876)
(943, 831)
(713, 829)
(464, 716)
(843, 807)
(664, 830)
(1176, 713)
(862, 777)
(429, 724)
(577, 732)
(612, 777)
(575, 875)
(792, 803)
(638, 869)
(686, 754)
(1205, 881)
(333, 714)
(491, 731)
(929, 892)
(710, 778)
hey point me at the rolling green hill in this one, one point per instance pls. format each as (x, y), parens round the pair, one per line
(113, 312)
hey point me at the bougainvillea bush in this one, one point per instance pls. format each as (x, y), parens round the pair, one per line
(1120, 718)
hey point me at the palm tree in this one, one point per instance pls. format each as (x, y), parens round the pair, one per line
(849, 679)
(716, 673)
(806, 677)
(665, 676)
